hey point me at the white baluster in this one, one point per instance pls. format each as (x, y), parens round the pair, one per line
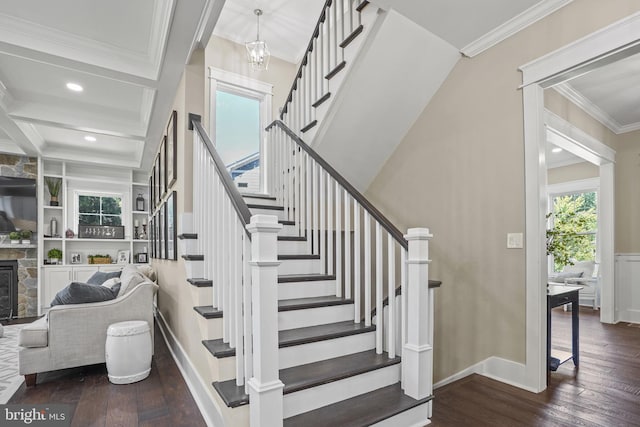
(298, 193)
(290, 147)
(314, 199)
(265, 388)
(330, 229)
(246, 292)
(237, 285)
(356, 261)
(391, 292)
(418, 351)
(338, 191)
(379, 307)
(308, 196)
(323, 230)
(403, 302)
(225, 269)
(367, 269)
(347, 245)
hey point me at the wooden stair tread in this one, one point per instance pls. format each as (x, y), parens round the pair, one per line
(288, 278)
(187, 236)
(310, 375)
(363, 410)
(286, 222)
(258, 196)
(298, 336)
(313, 302)
(297, 256)
(201, 283)
(292, 238)
(193, 257)
(208, 312)
(266, 207)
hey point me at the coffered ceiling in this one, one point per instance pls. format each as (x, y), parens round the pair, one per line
(128, 57)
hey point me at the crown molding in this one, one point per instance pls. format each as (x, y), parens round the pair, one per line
(566, 90)
(512, 26)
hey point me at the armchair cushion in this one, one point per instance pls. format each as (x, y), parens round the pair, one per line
(130, 278)
(99, 277)
(80, 293)
(34, 334)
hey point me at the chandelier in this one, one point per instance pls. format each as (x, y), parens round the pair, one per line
(257, 50)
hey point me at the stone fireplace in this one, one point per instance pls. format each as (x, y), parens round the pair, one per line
(8, 289)
(23, 256)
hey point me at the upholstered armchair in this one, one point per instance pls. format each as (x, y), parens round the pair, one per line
(582, 273)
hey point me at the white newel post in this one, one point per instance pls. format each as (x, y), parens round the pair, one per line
(418, 351)
(265, 387)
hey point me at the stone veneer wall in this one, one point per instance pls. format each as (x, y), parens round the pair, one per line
(23, 167)
(27, 278)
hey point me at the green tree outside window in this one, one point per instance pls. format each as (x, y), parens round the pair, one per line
(99, 210)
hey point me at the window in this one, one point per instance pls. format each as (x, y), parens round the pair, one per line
(575, 219)
(99, 209)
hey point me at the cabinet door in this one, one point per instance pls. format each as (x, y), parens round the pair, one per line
(109, 268)
(55, 279)
(82, 274)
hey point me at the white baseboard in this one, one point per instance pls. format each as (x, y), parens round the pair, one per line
(208, 407)
(496, 368)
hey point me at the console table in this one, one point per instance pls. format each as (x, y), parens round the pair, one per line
(557, 296)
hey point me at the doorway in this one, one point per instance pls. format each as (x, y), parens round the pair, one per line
(611, 44)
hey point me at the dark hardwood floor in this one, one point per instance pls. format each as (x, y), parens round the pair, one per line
(162, 399)
(604, 391)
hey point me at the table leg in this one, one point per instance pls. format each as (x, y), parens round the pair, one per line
(575, 331)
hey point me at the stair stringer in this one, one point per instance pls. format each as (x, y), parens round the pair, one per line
(392, 79)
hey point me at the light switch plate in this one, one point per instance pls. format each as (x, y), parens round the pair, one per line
(514, 240)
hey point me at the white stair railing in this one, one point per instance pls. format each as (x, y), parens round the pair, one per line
(240, 257)
(338, 25)
(362, 258)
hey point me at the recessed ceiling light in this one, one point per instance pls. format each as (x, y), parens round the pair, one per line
(75, 87)
(90, 138)
(556, 150)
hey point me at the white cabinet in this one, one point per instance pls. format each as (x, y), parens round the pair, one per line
(82, 274)
(57, 277)
(628, 288)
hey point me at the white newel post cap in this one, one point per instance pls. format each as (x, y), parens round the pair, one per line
(264, 224)
(418, 239)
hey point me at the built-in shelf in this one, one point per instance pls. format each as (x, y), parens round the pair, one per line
(140, 213)
(54, 207)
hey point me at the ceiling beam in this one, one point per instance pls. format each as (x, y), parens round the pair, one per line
(70, 64)
(68, 126)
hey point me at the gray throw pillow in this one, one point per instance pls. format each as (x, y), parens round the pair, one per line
(80, 293)
(99, 277)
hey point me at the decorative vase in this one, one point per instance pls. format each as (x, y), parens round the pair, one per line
(15, 242)
(54, 201)
(26, 242)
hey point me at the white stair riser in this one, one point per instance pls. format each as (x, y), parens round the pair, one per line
(295, 290)
(327, 349)
(414, 417)
(188, 246)
(290, 230)
(202, 296)
(224, 368)
(259, 211)
(327, 394)
(259, 201)
(210, 329)
(194, 269)
(314, 316)
(300, 266)
(288, 247)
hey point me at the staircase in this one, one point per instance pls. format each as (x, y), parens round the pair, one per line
(321, 311)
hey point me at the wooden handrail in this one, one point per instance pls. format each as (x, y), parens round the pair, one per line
(236, 198)
(362, 201)
(315, 34)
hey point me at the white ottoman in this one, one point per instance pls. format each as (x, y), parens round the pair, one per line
(128, 351)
